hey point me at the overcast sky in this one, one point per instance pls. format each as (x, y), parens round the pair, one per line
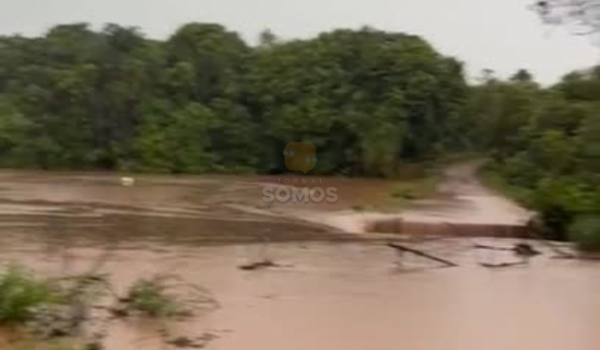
(498, 34)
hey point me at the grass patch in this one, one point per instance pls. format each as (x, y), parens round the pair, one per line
(415, 189)
(150, 297)
(495, 181)
(73, 312)
(165, 296)
(21, 293)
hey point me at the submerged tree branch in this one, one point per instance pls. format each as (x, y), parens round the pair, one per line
(422, 254)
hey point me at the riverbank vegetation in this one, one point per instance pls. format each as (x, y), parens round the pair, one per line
(73, 312)
(545, 146)
(203, 100)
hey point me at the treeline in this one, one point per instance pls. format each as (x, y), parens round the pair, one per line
(205, 101)
(546, 146)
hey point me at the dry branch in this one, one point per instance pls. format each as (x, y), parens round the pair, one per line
(522, 249)
(422, 254)
(258, 265)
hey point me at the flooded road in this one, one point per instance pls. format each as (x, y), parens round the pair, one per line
(334, 291)
(460, 200)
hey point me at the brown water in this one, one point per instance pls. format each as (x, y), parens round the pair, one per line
(335, 292)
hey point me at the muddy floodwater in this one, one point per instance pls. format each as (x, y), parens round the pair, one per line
(332, 291)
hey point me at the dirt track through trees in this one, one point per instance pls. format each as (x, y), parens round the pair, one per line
(461, 200)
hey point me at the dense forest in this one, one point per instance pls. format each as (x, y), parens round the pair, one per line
(205, 101)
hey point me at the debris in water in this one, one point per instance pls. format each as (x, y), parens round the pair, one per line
(196, 343)
(127, 181)
(402, 248)
(258, 265)
(522, 249)
(525, 249)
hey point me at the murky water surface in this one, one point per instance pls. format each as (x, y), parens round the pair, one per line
(333, 292)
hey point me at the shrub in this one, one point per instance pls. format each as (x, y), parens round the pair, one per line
(559, 202)
(21, 294)
(494, 178)
(166, 296)
(519, 171)
(585, 232)
(150, 297)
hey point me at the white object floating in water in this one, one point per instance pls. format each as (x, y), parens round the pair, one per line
(127, 181)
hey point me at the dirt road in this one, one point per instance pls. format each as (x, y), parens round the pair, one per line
(465, 200)
(461, 199)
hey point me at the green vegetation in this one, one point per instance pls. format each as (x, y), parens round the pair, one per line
(21, 294)
(415, 189)
(491, 178)
(150, 297)
(56, 313)
(586, 232)
(165, 296)
(205, 101)
(544, 144)
(371, 101)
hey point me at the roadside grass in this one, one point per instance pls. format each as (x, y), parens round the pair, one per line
(415, 189)
(496, 182)
(583, 230)
(400, 194)
(421, 186)
(412, 182)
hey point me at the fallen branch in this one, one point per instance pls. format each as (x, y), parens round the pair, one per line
(522, 249)
(525, 249)
(258, 265)
(422, 254)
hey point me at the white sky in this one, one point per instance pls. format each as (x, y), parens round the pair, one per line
(502, 35)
